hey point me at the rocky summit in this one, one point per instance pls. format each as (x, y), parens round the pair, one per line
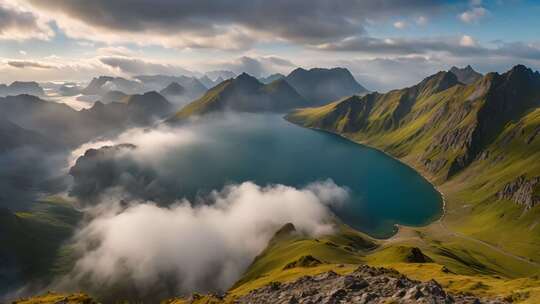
(365, 285)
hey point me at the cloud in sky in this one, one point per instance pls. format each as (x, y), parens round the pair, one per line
(18, 24)
(421, 20)
(474, 14)
(126, 38)
(467, 41)
(138, 66)
(400, 25)
(222, 23)
(29, 64)
(406, 46)
(255, 65)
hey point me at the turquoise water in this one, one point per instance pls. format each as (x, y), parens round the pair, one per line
(268, 149)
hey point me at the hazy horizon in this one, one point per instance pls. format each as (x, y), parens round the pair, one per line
(386, 44)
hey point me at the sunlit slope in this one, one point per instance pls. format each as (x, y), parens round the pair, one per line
(478, 142)
(290, 256)
(417, 253)
(244, 94)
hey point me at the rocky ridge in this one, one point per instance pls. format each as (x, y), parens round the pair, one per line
(522, 191)
(365, 285)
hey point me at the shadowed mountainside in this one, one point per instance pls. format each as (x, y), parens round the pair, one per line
(245, 94)
(320, 86)
(71, 128)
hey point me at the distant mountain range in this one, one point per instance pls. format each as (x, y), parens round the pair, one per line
(245, 94)
(321, 86)
(14, 137)
(223, 74)
(248, 94)
(112, 96)
(209, 83)
(102, 84)
(270, 78)
(173, 89)
(193, 88)
(21, 87)
(66, 126)
(466, 75)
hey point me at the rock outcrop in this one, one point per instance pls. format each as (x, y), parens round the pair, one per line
(522, 191)
(466, 75)
(364, 285)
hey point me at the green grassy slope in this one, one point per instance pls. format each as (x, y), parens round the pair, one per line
(472, 141)
(457, 270)
(244, 94)
(34, 240)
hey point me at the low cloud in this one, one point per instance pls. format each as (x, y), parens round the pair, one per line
(136, 66)
(193, 246)
(146, 238)
(405, 71)
(473, 15)
(21, 64)
(256, 66)
(400, 25)
(404, 46)
(17, 24)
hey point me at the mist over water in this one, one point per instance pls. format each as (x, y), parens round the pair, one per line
(197, 158)
(177, 209)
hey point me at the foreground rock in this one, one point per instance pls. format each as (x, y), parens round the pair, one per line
(364, 285)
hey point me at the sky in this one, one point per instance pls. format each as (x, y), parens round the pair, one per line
(386, 44)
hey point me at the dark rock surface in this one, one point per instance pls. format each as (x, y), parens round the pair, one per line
(466, 75)
(364, 285)
(522, 191)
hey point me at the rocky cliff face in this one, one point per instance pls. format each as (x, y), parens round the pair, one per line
(466, 75)
(365, 285)
(522, 191)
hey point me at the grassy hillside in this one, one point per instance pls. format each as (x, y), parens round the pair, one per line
(415, 253)
(244, 94)
(478, 143)
(51, 297)
(33, 241)
(290, 256)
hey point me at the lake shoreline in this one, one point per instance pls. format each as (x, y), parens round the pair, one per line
(424, 176)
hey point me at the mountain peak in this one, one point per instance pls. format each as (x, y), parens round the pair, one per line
(437, 82)
(246, 80)
(521, 75)
(466, 75)
(320, 85)
(173, 89)
(245, 76)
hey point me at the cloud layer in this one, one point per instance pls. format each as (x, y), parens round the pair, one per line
(223, 23)
(193, 247)
(18, 24)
